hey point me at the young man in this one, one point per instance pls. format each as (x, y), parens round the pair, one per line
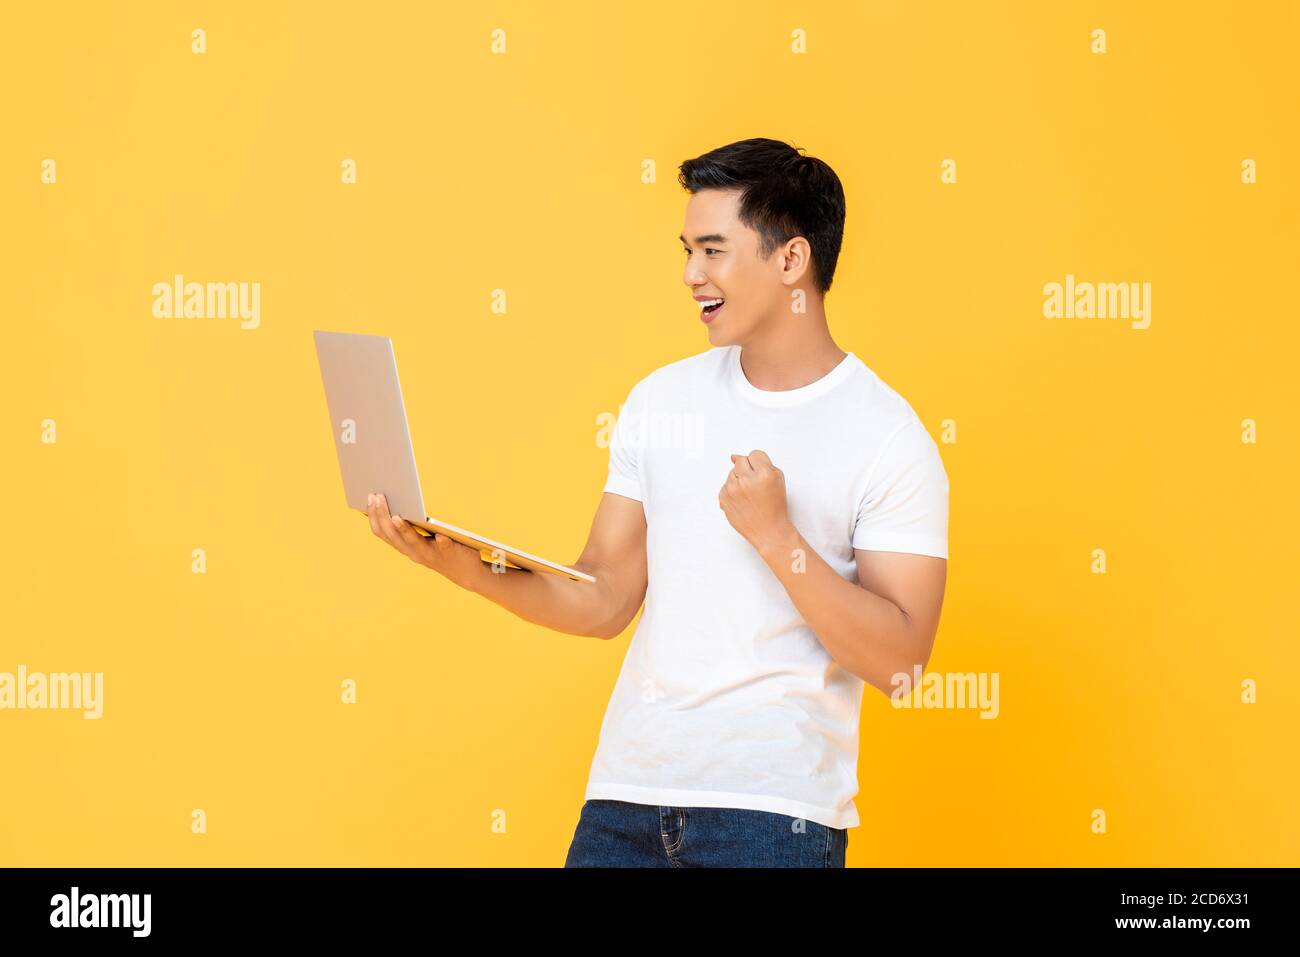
(787, 532)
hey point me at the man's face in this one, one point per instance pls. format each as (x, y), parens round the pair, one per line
(722, 263)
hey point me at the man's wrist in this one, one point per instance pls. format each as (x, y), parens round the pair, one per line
(781, 545)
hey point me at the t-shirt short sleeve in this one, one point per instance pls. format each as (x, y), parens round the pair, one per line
(905, 506)
(624, 448)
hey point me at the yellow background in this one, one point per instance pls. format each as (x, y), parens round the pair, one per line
(522, 172)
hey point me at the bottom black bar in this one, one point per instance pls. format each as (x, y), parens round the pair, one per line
(88, 907)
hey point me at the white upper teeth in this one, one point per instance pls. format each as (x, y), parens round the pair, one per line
(710, 302)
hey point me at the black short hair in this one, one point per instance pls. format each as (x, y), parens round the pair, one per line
(785, 194)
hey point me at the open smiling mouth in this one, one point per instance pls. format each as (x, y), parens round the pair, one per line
(711, 307)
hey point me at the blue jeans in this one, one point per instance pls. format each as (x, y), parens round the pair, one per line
(621, 834)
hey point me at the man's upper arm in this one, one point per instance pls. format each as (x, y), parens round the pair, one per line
(915, 583)
(616, 555)
(900, 539)
(616, 548)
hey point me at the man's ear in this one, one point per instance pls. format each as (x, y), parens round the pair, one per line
(796, 257)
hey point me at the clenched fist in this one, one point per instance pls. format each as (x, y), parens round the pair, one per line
(753, 499)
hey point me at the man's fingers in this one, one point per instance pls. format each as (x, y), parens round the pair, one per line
(741, 464)
(400, 534)
(384, 520)
(372, 513)
(393, 534)
(759, 459)
(435, 551)
(412, 543)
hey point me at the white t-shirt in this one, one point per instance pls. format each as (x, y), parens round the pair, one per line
(726, 698)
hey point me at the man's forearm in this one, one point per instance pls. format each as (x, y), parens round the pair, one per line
(866, 634)
(553, 601)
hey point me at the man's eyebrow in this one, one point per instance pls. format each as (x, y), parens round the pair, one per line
(710, 238)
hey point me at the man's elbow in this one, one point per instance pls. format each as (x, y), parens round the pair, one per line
(612, 629)
(604, 633)
(628, 604)
(904, 671)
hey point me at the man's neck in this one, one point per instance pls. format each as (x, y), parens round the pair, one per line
(794, 354)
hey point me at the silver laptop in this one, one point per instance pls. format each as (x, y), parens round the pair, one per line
(368, 421)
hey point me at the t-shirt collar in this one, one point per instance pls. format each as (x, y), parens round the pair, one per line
(785, 397)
